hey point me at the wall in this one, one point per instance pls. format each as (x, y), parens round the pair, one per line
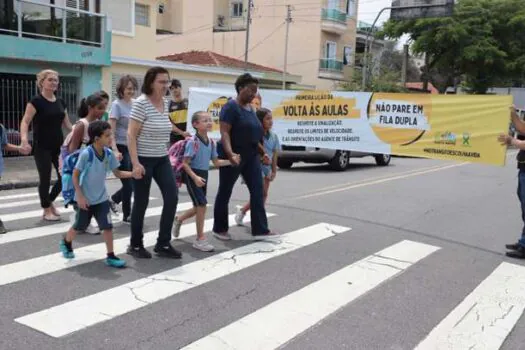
(44, 50)
(142, 45)
(188, 79)
(267, 38)
(90, 77)
(172, 18)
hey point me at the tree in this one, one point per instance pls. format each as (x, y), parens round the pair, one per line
(385, 71)
(392, 60)
(483, 42)
(387, 79)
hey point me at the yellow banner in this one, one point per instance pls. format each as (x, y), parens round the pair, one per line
(451, 127)
(448, 127)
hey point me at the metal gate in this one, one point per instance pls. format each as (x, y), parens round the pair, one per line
(16, 90)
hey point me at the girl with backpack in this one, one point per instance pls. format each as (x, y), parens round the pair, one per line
(91, 108)
(197, 153)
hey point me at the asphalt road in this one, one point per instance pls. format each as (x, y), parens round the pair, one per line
(372, 258)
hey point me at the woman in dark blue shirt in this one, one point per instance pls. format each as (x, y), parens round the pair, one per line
(241, 133)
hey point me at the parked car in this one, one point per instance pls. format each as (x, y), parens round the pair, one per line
(338, 160)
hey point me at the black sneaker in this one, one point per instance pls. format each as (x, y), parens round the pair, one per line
(127, 219)
(139, 252)
(518, 253)
(168, 252)
(514, 246)
(2, 228)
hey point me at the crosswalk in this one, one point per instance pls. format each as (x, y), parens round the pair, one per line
(483, 319)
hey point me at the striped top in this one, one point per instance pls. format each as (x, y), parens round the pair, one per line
(154, 136)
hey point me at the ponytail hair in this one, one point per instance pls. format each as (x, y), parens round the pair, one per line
(92, 101)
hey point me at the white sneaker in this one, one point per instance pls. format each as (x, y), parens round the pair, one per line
(176, 228)
(203, 245)
(239, 217)
(92, 230)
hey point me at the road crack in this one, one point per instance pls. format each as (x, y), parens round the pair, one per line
(226, 304)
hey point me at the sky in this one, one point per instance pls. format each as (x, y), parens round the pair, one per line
(368, 10)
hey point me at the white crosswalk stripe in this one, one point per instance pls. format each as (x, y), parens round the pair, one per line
(32, 213)
(73, 316)
(486, 316)
(277, 323)
(482, 319)
(22, 235)
(42, 265)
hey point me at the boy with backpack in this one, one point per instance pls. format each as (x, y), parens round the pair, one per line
(85, 170)
(5, 145)
(196, 152)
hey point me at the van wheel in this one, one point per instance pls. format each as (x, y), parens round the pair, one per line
(340, 161)
(284, 164)
(383, 159)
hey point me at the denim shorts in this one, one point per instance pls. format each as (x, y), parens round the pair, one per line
(197, 194)
(100, 211)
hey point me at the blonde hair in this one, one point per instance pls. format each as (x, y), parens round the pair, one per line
(42, 75)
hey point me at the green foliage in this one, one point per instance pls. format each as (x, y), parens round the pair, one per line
(483, 42)
(387, 79)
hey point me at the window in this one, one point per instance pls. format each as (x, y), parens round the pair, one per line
(351, 8)
(333, 4)
(141, 15)
(347, 56)
(120, 24)
(330, 50)
(237, 9)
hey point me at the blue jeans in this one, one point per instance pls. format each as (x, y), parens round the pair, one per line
(124, 194)
(250, 168)
(159, 169)
(521, 196)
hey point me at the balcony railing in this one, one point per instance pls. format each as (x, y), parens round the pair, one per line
(329, 64)
(30, 19)
(334, 15)
(227, 24)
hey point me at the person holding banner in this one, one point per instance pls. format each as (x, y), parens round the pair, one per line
(517, 250)
(241, 133)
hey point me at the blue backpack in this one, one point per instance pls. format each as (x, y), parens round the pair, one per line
(70, 161)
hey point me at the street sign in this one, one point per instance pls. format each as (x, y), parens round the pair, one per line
(414, 9)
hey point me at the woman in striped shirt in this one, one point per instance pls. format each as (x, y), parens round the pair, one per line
(148, 137)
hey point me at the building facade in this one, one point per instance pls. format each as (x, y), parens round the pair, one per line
(134, 48)
(321, 40)
(71, 37)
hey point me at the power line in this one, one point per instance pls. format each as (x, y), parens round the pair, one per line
(266, 38)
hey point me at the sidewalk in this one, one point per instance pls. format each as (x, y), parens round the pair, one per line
(20, 172)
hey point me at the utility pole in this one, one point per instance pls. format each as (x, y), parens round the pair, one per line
(368, 46)
(405, 65)
(288, 21)
(248, 23)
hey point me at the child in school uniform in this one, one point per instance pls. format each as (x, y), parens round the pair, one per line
(5, 145)
(269, 172)
(91, 196)
(196, 166)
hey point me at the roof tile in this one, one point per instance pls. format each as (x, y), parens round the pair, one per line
(210, 58)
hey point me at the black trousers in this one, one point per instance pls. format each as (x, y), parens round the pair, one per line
(250, 169)
(44, 160)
